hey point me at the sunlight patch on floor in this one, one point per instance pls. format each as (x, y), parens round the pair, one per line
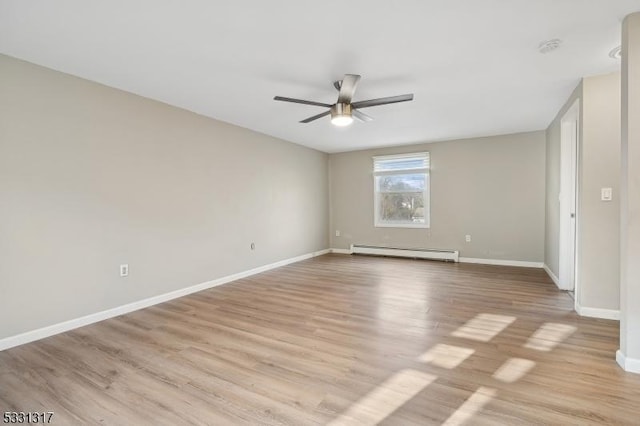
(471, 406)
(548, 336)
(385, 399)
(446, 356)
(483, 327)
(405, 308)
(513, 369)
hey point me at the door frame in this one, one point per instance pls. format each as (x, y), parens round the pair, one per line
(568, 197)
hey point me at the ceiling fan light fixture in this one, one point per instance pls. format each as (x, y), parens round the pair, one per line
(341, 120)
(341, 115)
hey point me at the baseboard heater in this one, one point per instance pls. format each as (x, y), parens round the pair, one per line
(446, 255)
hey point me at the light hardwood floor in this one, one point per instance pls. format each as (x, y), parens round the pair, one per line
(337, 340)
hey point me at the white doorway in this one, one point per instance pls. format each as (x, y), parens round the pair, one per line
(569, 142)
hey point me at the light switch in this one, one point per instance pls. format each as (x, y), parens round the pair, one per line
(606, 194)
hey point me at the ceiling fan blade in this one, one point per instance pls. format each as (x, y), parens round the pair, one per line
(301, 101)
(315, 117)
(348, 88)
(382, 101)
(361, 115)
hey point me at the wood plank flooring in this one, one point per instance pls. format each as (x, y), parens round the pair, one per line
(337, 340)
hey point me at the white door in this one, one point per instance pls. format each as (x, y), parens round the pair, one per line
(568, 191)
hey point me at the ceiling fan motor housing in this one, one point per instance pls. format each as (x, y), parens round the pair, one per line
(341, 110)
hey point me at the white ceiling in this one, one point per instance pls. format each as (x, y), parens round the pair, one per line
(473, 65)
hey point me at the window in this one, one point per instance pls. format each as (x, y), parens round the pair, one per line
(401, 190)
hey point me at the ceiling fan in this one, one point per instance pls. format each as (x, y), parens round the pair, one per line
(343, 111)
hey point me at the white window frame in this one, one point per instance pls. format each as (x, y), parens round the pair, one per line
(378, 223)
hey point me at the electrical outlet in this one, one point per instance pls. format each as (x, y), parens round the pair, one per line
(124, 270)
(606, 194)
(467, 238)
(337, 233)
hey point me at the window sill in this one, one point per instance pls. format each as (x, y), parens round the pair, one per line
(402, 225)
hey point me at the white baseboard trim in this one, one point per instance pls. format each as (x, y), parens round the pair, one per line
(628, 364)
(501, 262)
(553, 276)
(609, 314)
(340, 251)
(41, 333)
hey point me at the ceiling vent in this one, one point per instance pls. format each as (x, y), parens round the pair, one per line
(616, 53)
(549, 45)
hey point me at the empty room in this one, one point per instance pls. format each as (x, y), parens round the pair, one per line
(336, 213)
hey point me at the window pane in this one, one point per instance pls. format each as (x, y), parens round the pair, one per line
(418, 161)
(401, 183)
(401, 188)
(404, 207)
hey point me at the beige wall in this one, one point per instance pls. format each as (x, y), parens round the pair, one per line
(92, 177)
(599, 167)
(491, 188)
(552, 185)
(629, 354)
